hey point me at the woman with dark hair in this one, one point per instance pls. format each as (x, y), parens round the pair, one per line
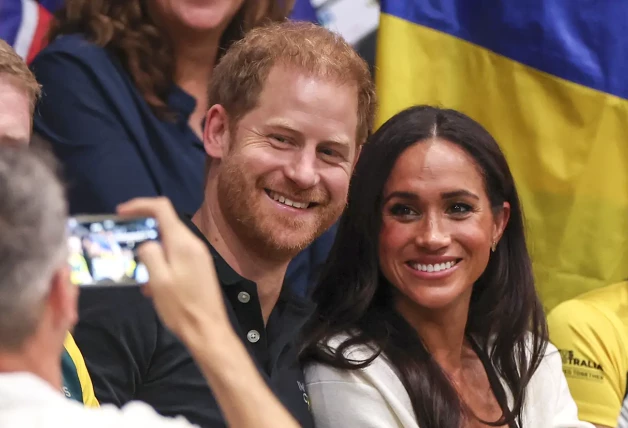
(427, 310)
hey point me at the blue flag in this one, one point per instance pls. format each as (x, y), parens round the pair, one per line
(304, 11)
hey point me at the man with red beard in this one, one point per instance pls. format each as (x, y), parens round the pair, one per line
(291, 105)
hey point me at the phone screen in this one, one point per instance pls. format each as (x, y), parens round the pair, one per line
(102, 249)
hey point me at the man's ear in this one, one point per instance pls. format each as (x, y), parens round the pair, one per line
(64, 298)
(216, 133)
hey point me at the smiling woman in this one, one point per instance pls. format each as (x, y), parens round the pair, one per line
(439, 313)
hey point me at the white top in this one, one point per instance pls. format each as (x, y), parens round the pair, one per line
(28, 401)
(374, 397)
(623, 417)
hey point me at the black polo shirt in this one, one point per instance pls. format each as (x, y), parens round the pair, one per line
(131, 355)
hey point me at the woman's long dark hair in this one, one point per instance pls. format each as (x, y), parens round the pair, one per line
(506, 317)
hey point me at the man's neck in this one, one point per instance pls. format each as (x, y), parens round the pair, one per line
(32, 359)
(267, 273)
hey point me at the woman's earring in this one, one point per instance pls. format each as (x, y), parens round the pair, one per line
(494, 246)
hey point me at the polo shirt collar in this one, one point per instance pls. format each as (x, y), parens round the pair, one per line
(226, 274)
(228, 277)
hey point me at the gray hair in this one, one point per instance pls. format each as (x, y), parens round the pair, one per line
(33, 213)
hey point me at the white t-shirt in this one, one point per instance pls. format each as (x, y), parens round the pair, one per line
(374, 397)
(623, 416)
(28, 401)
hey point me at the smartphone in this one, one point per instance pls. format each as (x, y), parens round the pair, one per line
(103, 249)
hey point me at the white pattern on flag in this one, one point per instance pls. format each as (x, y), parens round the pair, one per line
(28, 26)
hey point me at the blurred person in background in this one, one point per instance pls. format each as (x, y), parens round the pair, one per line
(38, 305)
(18, 94)
(125, 86)
(591, 332)
(293, 105)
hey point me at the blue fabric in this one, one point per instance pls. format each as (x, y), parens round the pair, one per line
(52, 5)
(302, 274)
(583, 41)
(10, 20)
(113, 148)
(110, 143)
(304, 11)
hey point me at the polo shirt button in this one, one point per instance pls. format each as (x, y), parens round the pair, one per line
(244, 297)
(253, 336)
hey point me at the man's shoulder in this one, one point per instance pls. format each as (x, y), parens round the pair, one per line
(599, 314)
(612, 298)
(72, 61)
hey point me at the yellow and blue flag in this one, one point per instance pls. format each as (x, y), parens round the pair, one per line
(549, 79)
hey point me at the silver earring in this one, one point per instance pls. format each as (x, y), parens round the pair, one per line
(494, 246)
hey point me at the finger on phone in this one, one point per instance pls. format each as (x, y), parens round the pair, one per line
(152, 255)
(159, 208)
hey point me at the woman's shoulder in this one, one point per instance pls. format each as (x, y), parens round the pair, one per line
(376, 383)
(74, 45)
(371, 362)
(70, 54)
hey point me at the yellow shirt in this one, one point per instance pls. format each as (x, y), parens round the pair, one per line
(87, 389)
(591, 332)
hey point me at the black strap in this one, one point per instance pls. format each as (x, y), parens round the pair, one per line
(493, 379)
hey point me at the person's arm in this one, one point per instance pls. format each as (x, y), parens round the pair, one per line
(77, 116)
(187, 296)
(594, 359)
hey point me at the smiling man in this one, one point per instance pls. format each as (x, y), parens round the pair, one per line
(291, 105)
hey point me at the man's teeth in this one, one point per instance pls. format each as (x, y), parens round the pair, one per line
(433, 268)
(277, 197)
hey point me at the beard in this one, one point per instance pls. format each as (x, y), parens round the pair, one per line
(265, 230)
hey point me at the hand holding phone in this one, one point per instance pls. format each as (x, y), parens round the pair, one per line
(183, 282)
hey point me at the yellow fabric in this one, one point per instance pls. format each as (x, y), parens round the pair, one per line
(565, 143)
(79, 270)
(89, 398)
(591, 332)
